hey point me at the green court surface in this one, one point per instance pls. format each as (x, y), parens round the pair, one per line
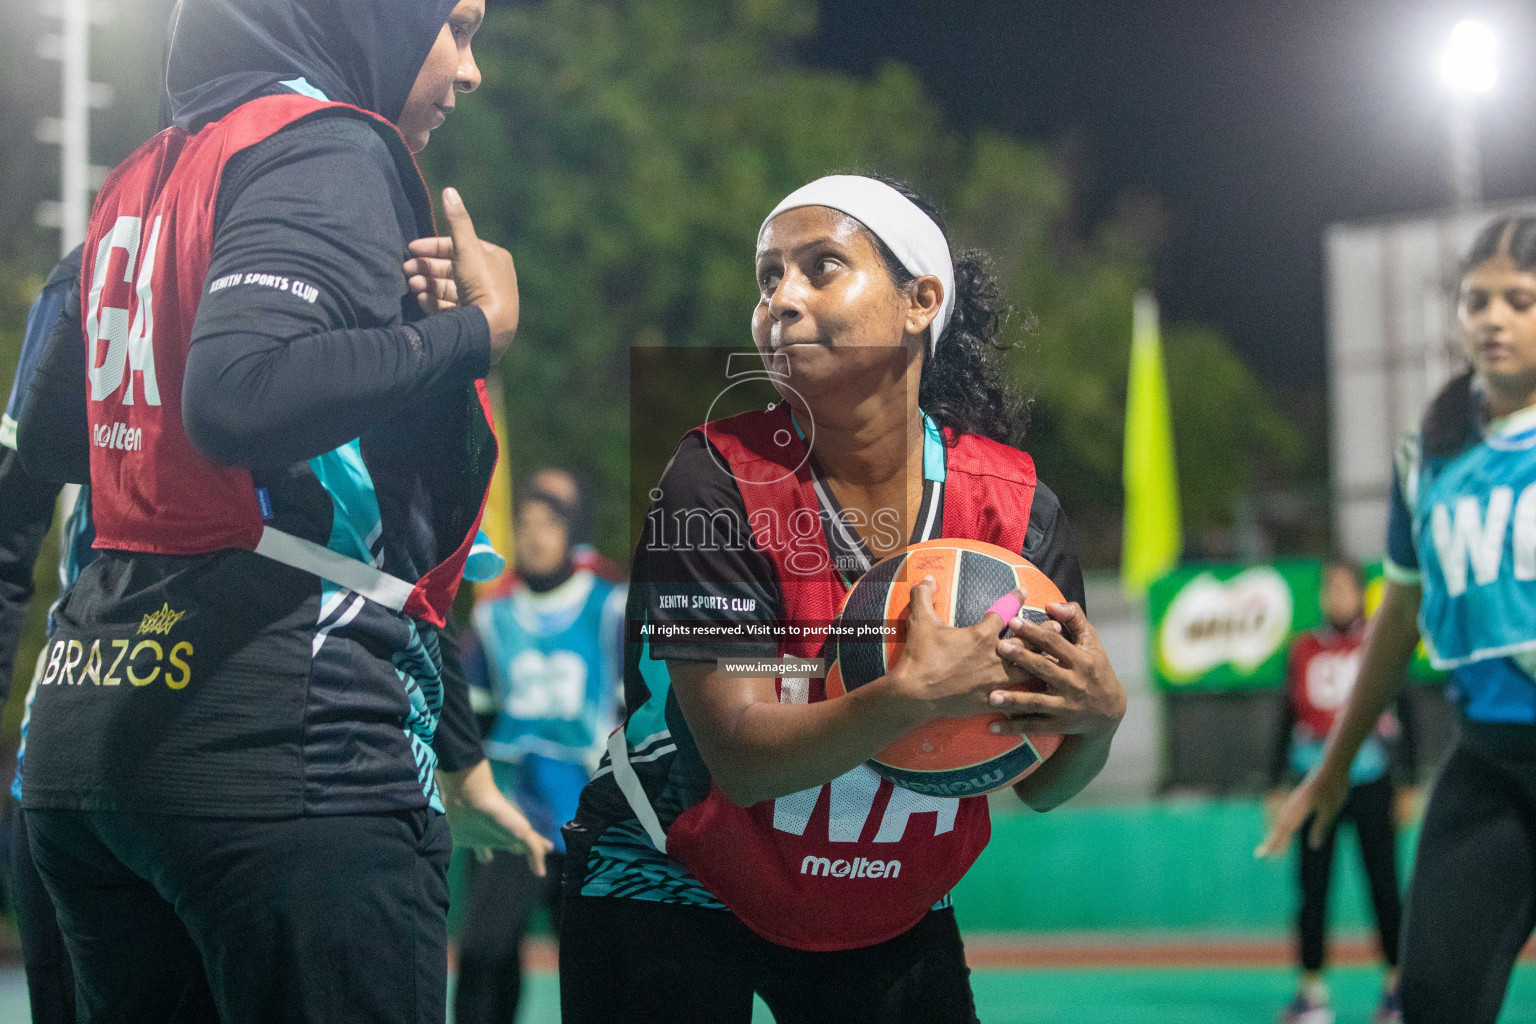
(1170, 996)
(1167, 996)
(1185, 996)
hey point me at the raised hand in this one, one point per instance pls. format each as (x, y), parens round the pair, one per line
(431, 281)
(461, 269)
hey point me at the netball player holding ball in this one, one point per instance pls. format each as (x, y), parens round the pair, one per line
(735, 841)
(1461, 558)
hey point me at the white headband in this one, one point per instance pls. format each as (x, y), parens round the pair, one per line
(913, 237)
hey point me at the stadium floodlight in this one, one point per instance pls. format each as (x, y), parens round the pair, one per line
(1469, 67)
(1469, 62)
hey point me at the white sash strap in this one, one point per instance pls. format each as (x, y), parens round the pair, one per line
(392, 592)
(634, 793)
(374, 584)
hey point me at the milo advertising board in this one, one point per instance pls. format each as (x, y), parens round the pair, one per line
(1229, 627)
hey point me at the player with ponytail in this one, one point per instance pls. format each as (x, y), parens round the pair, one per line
(1461, 570)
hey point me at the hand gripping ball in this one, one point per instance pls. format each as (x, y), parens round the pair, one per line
(948, 757)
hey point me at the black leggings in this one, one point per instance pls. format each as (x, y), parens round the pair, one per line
(1370, 807)
(1472, 903)
(642, 962)
(502, 896)
(50, 976)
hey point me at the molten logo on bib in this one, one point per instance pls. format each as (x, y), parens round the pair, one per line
(859, 867)
(119, 437)
(1240, 622)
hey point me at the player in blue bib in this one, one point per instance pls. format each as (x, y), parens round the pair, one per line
(1461, 569)
(550, 655)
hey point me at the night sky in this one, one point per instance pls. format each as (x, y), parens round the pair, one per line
(1254, 123)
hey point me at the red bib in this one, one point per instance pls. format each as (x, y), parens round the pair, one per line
(145, 267)
(1323, 668)
(857, 861)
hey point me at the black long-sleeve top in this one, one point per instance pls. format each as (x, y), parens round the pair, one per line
(275, 377)
(270, 380)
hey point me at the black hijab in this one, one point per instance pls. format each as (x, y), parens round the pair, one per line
(363, 52)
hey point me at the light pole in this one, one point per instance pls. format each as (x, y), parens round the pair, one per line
(70, 131)
(1469, 66)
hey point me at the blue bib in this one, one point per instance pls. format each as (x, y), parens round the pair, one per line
(1368, 766)
(1475, 529)
(553, 662)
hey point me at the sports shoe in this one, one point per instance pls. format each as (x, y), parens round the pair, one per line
(1307, 1009)
(1391, 1009)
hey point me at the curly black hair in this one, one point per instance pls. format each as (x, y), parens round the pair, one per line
(962, 385)
(1449, 422)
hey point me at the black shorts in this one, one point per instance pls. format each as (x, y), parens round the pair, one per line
(311, 920)
(643, 962)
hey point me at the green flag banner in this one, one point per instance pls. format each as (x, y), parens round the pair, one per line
(1153, 537)
(1229, 627)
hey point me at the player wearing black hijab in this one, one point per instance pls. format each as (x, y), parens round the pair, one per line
(231, 771)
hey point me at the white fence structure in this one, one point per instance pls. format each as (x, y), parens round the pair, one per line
(1391, 344)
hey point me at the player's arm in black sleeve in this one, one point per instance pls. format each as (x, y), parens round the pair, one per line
(477, 679)
(479, 815)
(26, 512)
(457, 740)
(300, 343)
(27, 500)
(52, 432)
(701, 565)
(1402, 562)
(1049, 544)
